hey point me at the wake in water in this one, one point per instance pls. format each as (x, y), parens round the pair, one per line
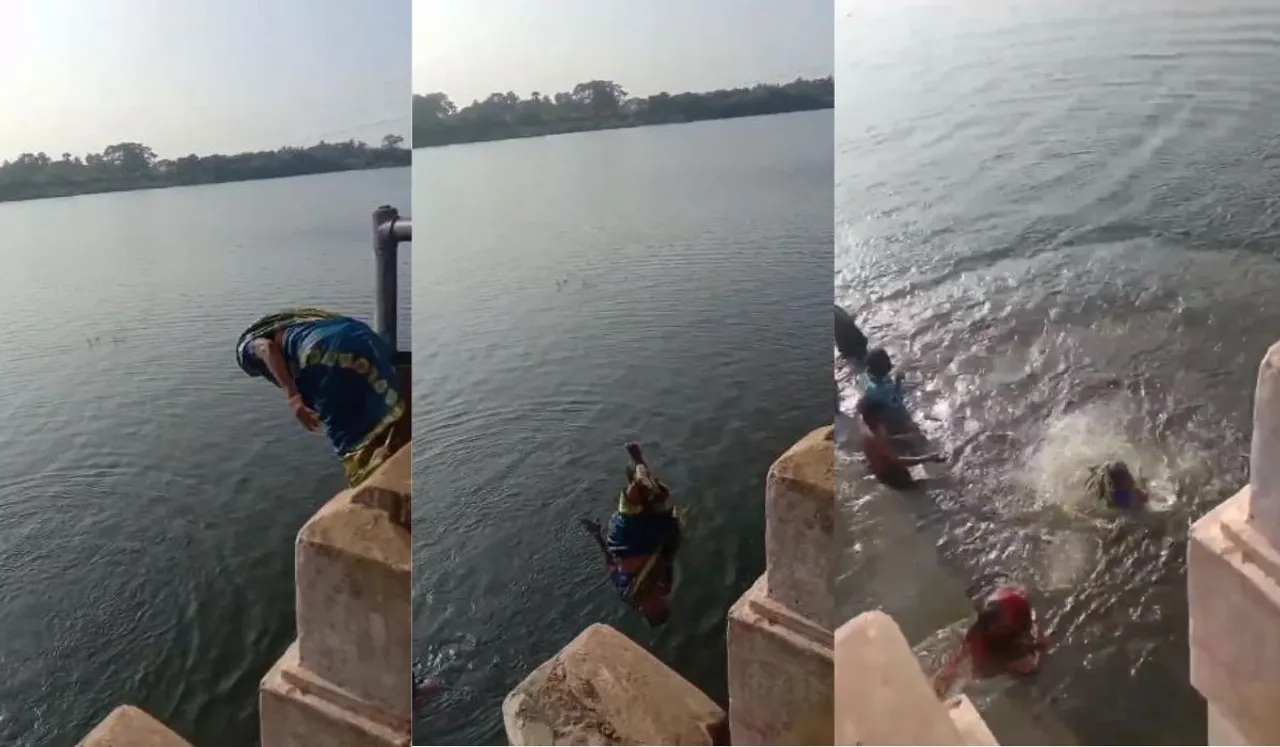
(1058, 468)
(1057, 473)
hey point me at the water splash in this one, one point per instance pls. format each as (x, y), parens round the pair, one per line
(1058, 468)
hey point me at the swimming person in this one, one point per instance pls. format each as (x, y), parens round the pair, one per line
(643, 538)
(338, 376)
(880, 384)
(890, 467)
(1004, 639)
(1112, 484)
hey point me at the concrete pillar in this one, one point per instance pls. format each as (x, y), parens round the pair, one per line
(603, 688)
(885, 698)
(128, 726)
(1233, 589)
(1264, 454)
(347, 680)
(1221, 732)
(780, 630)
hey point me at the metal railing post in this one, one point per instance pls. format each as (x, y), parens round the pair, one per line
(389, 229)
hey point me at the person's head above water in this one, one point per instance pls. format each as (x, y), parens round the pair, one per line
(1114, 484)
(1119, 475)
(878, 362)
(1004, 611)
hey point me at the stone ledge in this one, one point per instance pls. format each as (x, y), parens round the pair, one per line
(1234, 605)
(780, 673)
(799, 522)
(604, 689)
(766, 606)
(295, 675)
(353, 581)
(128, 726)
(1222, 733)
(297, 709)
(969, 722)
(1264, 448)
(884, 696)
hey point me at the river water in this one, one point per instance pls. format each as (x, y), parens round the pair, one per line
(667, 285)
(150, 492)
(1063, 219)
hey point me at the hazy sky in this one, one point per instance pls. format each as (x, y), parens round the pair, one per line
(471, 48)
(185, 76)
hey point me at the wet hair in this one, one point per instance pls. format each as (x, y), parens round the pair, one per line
(993, 614)
(1107, 478)
(990, 615)
(250, 363)
(878, 362)
(1119, 474)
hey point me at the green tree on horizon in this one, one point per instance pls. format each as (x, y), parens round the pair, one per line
(601, 104)
(131, 165)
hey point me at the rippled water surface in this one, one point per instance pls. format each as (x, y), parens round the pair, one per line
(149, 492)
(1063, 219)
(665, 284)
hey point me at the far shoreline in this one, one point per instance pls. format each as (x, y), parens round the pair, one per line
(145, 187)
(602, 105)
(133, 166)
(618, 126)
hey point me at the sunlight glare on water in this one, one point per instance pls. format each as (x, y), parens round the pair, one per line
(1060, 218)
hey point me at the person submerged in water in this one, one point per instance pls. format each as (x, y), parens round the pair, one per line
(1003, 640)
(850, 340)
(1111, 483)
(339, 378)
(890, 467)
(643, 538)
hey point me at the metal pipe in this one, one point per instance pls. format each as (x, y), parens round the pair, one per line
(386, 240)
(398, 229)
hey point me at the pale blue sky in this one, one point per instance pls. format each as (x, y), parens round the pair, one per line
(471, 48)
(185, 76)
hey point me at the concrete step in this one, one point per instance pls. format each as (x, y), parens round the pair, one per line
(888, 562)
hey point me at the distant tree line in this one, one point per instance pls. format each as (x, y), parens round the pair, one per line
(599, 105)
(126, 166)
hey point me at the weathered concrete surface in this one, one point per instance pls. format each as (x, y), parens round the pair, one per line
(780, 673)
(128, 726)
(883, 696)
(887, 561)
(1233, 588)
(604, 689)
(1233, 591)
(799, 518)
(779, 631)
(1264, 454)
(1222, 733)
(347, 681)
(973, 730)
(354, 566)
(298, 709)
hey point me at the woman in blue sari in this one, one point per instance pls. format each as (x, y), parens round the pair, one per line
(642, 540)
(339, 378)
